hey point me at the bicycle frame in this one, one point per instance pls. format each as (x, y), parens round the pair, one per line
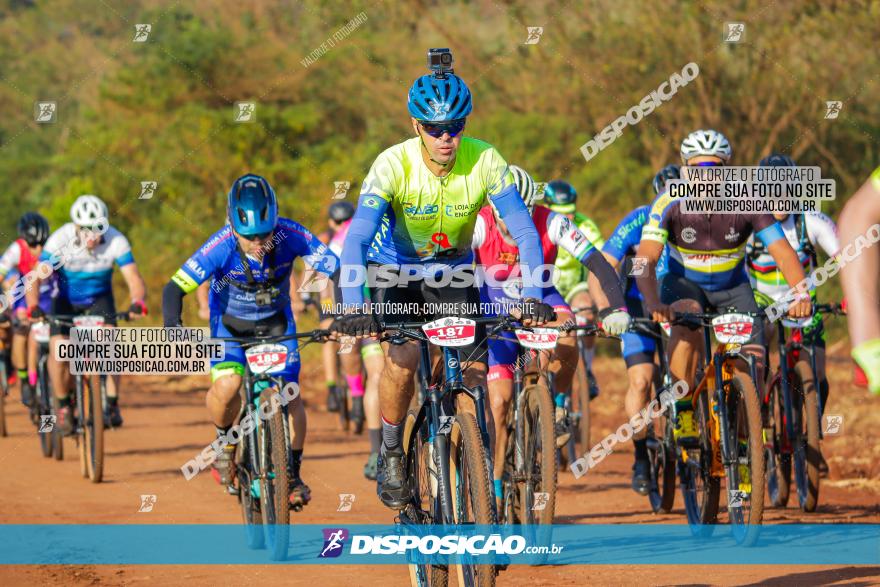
(440, 398)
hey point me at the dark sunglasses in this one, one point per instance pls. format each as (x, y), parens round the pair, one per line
(437, 130)
(708, 164)
(253, 237)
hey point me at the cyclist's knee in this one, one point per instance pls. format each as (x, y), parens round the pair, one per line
(640, 378)
(225, 388)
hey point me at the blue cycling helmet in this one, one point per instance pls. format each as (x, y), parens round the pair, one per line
(252, 207)
(439, 99)
(669, 172)
(560, 196)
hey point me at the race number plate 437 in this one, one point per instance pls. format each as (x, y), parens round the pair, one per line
(266, 358)
(538, 338)
(733, 328)
(450, 331)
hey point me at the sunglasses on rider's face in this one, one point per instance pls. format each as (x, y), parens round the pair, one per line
(261, 236)
(708, 164)
(437, 130)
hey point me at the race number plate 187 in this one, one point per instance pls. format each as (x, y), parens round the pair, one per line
(538, 338)
(733, 328)
(266, 358)
(450, 331)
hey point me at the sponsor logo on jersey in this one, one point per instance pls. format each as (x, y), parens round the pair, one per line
(689, 234)
(426, 210)
(731, 236)
(460, 210)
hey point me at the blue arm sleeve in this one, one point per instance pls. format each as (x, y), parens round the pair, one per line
(519, 222)
(354, 250)
(771, 234)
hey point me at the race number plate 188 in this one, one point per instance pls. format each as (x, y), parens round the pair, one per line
(88, 321)
(266, 358)
(450, 331)
(538, 338)
(733, 328)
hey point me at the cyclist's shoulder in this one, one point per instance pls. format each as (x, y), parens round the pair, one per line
(221, 242)
(875, 179)
(476, 152)
(662, 206)
(819, 220)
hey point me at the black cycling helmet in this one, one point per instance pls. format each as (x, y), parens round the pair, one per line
(560, 196)
(671, 171)
(33, 228)
(777, 160)
(340, 211)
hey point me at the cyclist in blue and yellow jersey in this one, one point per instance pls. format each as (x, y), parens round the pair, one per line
(570, 275)
(859, 235)
(706, 269)
(416, 216)
(84, 252)
(249, 262)
(637, 349)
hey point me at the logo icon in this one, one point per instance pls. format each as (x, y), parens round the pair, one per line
(452, 363)
(535, 33)
(142, 32)
(371, 203)
(245, 112)
(734, 32)
(346, 344)
(445, 424)
(334, 538)
(638, 266)
(731, 236)
(340, 188)
(47, 423)
(736, 498)
(346, 500)
(44, 112)
(833, 424)
(147, 503)
(832, 109)
(541, 500)
(148, 189)
(689, 234)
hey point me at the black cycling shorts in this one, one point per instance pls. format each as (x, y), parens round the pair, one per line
(102, 306)
(741, 298)
(423, 296)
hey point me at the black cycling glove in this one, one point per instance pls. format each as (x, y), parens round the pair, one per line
(537, 311)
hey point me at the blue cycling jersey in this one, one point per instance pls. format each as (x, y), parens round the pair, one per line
(623, 243)
(219, 259)
(85, 274)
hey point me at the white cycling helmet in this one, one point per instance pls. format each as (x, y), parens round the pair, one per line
(525, 185)
(705, 142)
(88, 211)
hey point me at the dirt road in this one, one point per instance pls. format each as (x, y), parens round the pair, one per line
(166, 425)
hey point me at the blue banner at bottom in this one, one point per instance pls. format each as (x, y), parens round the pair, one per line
(630, 544)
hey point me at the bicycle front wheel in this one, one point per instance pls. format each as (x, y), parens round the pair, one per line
(778, 454)
(92, 441)
(581, 403)
(470, 490)
(699, 487)
(745, 477)
(538, 492)
(424, 508)
(274, 479)
(806, 442)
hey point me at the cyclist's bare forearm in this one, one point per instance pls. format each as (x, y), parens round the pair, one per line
(647, 281)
